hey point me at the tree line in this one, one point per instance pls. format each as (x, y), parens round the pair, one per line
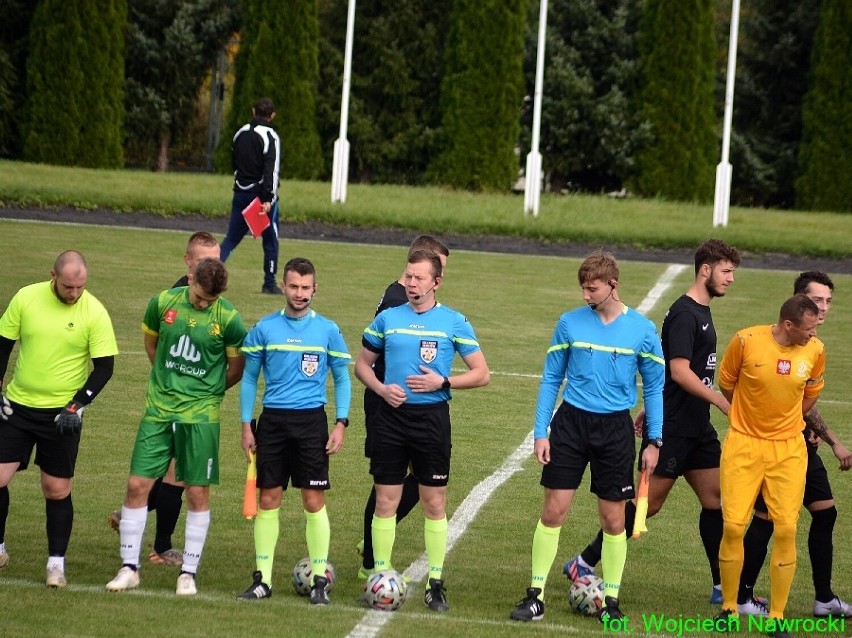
(441, 90)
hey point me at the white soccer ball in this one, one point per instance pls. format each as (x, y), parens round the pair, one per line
(303, 576)
(586, 595)
(385, 590)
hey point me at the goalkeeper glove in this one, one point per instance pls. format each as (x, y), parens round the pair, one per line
(70, 420)
(5, 408)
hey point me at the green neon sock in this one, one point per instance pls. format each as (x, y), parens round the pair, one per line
(318, 536)
(265, 538)
(435, 537)
(384, 535)
(613, 557)
(545, 546)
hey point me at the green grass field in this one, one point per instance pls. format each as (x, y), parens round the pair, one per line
(513, 302)
(586, 219)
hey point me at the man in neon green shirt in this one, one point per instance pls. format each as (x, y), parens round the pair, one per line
(61, 327)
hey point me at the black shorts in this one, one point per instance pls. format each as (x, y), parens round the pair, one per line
(56, 454)
(291, 447)
(603, 441)
(419, 435)
(817, 487)
(680, 454)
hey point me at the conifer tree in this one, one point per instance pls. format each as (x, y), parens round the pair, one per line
(825, 156)
(676, 99)
(278, 58)
(482, 95)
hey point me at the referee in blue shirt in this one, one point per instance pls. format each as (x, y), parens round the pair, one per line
(412, 425)
(295, 348)
(597, 349)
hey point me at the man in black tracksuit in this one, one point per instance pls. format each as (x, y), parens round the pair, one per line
(256, 153)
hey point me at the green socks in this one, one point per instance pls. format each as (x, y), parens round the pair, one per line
(265, 538)
(435, 537)
(545, 546)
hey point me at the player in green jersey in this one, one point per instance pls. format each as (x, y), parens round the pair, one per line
(193, 339)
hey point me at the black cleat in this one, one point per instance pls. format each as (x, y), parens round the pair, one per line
(436, 597)
(319, 592)
(257, 590)
(530, 608)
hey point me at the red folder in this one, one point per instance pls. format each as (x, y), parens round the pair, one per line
(255, 218)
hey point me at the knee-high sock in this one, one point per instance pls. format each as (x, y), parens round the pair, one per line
(168, 504)
(266, 526)
(318, 537)
(410, 497)
(613, 557)
(384, 534)
(197, 525)
(782, 568)
(710, 529)
(592, 554)
(731, 563)
(435, 538)
(130, 531)
(821, 551)
(755, 547)
(4, 511)
(367, 561)
(154, 494)
(544, 548)
(59, 516)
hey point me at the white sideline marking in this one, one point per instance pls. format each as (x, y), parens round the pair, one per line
(373, 621)
(659, 289)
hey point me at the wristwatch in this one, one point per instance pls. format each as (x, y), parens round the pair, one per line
(446, 384)
(345, 422)
(657, 443)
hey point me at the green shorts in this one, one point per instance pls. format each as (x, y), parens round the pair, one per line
(194, 446)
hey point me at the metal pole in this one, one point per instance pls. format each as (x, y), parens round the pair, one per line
(340, 166)
(722, 198)
(532, 175)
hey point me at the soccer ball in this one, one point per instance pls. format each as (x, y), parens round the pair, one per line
(385, 590)
(586, 595)
(303, 576)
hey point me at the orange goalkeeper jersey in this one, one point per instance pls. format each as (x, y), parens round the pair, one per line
(769, 382)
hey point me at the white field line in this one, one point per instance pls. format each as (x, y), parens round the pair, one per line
(373, 621)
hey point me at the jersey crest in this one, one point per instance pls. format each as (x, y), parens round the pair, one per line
(428, 350)
(310, 363)
(783, 367)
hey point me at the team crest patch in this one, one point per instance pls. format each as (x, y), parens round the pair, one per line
(428, 350)
(214, 329)
(170, 316)
(310, 363)
(783, 367)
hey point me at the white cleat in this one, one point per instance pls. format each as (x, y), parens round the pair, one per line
(186, 585)
(834, 607)
(752, 607)
(56, 577)
(125, 579)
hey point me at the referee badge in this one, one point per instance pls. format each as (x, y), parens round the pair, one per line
(310, 363)
(428, 350)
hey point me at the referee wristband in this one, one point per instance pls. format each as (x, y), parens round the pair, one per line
(345, 422)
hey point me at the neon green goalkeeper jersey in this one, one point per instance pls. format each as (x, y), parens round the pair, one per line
(187, 381)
